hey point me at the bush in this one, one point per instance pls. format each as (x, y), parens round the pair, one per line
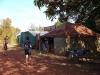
(14, 40)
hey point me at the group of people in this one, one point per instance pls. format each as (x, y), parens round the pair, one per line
(27, 48)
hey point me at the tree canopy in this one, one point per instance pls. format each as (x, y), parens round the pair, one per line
(58, 24)
(33, 28)
(6, 30)
(86, 12)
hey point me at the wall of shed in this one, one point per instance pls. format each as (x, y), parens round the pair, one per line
(62, 45)
(23, 36)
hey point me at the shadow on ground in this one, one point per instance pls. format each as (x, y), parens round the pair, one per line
(43, 64)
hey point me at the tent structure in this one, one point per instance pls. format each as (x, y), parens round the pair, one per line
(73, 36)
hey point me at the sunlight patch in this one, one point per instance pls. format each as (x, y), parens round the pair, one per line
(42, 68)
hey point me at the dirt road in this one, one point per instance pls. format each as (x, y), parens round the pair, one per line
(44, 64)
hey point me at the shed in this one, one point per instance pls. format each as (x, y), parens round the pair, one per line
(33, 35)
(23, 35)
(74, 36)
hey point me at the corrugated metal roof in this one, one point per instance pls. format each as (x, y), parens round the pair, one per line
(38, 32)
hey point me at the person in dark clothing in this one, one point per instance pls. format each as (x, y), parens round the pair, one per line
(27, 49)
(46, 45)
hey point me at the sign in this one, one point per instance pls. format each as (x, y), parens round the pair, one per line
(50, 28)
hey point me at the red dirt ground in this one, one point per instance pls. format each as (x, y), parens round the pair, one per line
(44, 64)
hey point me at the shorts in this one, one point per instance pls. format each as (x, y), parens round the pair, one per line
(27, 52)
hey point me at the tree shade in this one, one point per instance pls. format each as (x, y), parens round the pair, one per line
(86, 12)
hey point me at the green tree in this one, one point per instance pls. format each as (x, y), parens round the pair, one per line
(6, 30)
(14, 33)
(58, 24)
(86, 12)
(6, 27)
(17, 31)
(34, 28)
(40, 28)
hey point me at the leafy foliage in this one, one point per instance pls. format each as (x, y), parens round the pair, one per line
(33, 28)
(86, 12)
(6, 30)
(58, 24)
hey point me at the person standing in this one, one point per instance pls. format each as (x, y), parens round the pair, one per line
(47, 46)
(43, 47)
(5, 47)
(27, 49)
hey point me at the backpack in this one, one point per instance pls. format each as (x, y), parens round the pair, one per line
(27, 45)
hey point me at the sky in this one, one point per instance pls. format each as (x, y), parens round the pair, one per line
(23, 13)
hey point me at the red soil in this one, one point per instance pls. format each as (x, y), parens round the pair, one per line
(14, 64)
